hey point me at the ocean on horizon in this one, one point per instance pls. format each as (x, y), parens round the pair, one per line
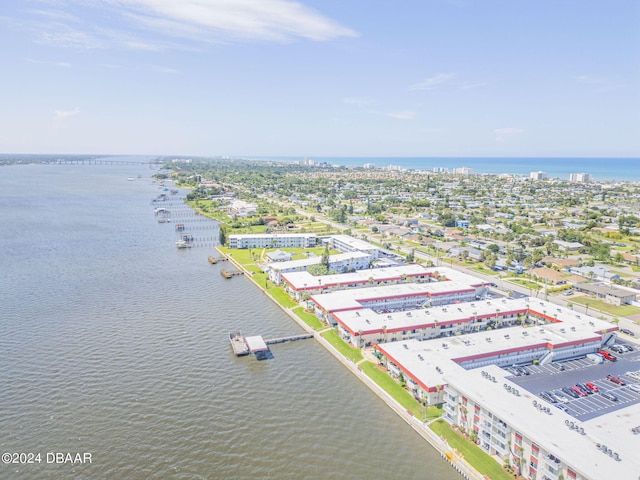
(600, 168)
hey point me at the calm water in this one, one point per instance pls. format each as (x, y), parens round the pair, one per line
(114, 342)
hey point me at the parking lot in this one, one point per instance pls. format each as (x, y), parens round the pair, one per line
(553, 377)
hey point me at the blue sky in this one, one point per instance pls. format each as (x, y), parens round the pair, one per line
(330, 77)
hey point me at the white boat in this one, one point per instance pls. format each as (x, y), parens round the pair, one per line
(183, 244)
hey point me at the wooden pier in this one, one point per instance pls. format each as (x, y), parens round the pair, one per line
(290, 338)
(228, 274)
(255, 345)
(214, 260)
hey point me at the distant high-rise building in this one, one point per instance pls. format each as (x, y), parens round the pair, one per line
(580, 177)
(538, 175)
(463, 171)
(369, 166)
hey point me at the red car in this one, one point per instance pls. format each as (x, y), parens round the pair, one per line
(591, 386)
(614, 379)
(607, 355)
(578, 390)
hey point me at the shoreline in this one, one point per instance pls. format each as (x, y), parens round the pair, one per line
(447, 453)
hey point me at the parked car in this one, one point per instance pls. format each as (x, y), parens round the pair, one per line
(570, 392)
(614, 379)
(562, 407)
(627, 331)
(560, 397)
(577, 390)
(608, 395)
(559, 366)
(618, 348)
(547, 397)
(591, 387)
(584, 388)
(568, 293)
(635, 387)
(607, 355)
(634, 375)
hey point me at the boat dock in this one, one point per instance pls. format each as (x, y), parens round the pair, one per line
(257, 346)
(290, 338)
(238, 344)
(214, 260)
(228, 274)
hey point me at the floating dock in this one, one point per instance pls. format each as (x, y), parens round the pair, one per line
(238, 344)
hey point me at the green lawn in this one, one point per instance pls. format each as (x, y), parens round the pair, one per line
(309, 318)
(398, 393)
(485, 270)
(347, 351)
(473, 454)
(526, 283)
(605, 307)
(281, 297)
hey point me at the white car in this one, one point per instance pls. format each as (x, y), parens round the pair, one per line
(634, 375)
(635, 387)
(560, 397)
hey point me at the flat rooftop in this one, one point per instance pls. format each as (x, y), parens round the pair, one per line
(355, 243)
(420, 357)
(550, 430)
(305, 262)
(256, 344)
(270, 235)
(451, 282)
(302, 280)
(367, 320)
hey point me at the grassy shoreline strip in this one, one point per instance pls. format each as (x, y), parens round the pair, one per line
(474, 455)
(399, 394)
(350, 353)
(309, 318)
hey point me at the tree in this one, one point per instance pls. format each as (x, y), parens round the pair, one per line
(222, 235)
(325, 257)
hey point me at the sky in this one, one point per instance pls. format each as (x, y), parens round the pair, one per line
(321, 77)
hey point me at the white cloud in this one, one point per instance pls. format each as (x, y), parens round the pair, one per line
(60, 116)
(405, 115)
(504, 134)
(433, 82)
(216, 20)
